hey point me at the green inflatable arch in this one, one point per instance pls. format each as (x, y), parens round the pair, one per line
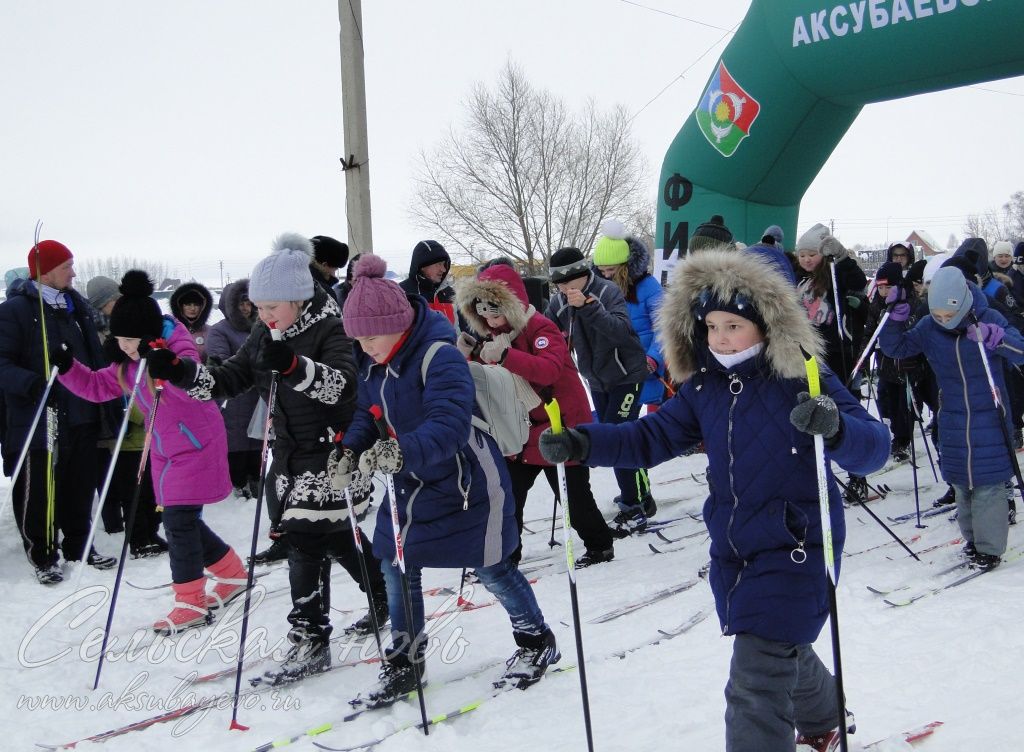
(791, 82)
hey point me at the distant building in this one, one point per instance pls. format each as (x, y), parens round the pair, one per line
(925, 242)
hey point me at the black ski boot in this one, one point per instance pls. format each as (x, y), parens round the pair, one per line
(595, 557)
(1018, 440)
(856, 490)
(308, 655)
(946, 499)
(986, 562)
(364, 626)
(276, 551)
(828, 741)
(50, 575)
(528, 664)
(900, 451)
(100, 561)
(397, 681)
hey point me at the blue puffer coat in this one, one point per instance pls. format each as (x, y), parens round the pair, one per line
(642, 302)
(972, 445)
(763, 510)
(455, 505)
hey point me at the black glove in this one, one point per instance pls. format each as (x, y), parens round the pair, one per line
(277, 356)
(568, 446)
(62, 358)
(164, 364)
(818, 416)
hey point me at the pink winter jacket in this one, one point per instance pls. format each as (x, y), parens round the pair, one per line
(189, 453)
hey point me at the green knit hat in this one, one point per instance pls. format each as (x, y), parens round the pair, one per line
(611, 247)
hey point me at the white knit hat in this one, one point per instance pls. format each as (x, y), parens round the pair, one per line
(284, 275)
(811, 240)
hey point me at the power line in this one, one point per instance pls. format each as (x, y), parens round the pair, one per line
(666, 13)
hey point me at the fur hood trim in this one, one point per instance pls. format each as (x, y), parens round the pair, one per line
(726, 272)
(469, 290)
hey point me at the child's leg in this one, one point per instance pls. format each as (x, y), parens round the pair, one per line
(620, 405)
(522, 477)
(814, 698)
(586, 518)
(400, 642)
(964, 518)
(989, 517)
(513, 591)
(763, 676)
(184, 542)
(309, 575)
(343, 548)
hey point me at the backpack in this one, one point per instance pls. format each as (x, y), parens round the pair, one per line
(505, 417)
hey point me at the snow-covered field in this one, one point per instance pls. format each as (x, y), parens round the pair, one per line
(954, 657)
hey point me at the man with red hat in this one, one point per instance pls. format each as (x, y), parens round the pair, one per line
(65, 322)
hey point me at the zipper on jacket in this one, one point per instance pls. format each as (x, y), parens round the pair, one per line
(967, 404)
(458, 480)
(799, 554)
(619, 361)
(732, 514)
(189, 435)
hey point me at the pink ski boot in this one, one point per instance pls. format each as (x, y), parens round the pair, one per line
(230, 578)
(189, 608)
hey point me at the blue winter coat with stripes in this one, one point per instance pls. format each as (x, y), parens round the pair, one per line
(973, 447)
(762, 512)
(455, 506)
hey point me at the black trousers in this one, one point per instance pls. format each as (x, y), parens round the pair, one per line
(74, 478)
(191, 544)
(243, 466)
(309, 575)
(586, 518)
(117, 506)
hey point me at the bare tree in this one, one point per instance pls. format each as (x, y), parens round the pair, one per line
(115, 267)
(1005, 223)
(524, 176)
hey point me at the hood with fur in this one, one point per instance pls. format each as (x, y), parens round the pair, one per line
(726, 272)
(192, 289)
(501, 285)
(232, 294)
(639, 261)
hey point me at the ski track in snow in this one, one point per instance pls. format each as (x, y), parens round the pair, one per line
(954, 657)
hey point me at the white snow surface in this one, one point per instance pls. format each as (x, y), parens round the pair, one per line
(954, 657)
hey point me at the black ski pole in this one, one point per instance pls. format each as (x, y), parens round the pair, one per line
(129, 526)
(28, 439)
(384, 433)
(250, 576)
(839, 314)
(814, 389)
(924, 437)
(363, 571)
(555, 415)
(998, 401)
(876, 518)
(913, 458)
(554, 512)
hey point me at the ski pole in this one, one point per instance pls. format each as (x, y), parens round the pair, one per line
(876, 518)
(555, 416)
(363, 571)
(868, 348)
(28, 439)
(998, 401)
(275, 377)
(919, 419)
(51, 412)
(913, 459)
(839, 321)
(814, 389)
(106, 487)
(139, 475)
(554, 513)
(384, 432)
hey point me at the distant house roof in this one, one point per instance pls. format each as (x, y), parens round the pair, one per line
(922, 238)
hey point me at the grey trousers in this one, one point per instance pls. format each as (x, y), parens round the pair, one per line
(983, 515)
(774, 688)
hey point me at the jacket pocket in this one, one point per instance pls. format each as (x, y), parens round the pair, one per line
(190, 436)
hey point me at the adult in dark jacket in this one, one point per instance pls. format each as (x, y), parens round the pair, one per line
(975, 458)
(343, 288)
(315, 401)
(456, 509)
(732, 333)
(191, 304)
(428, 272)
(513, 334)
(329, 255)
(226, 338)
(66, 321)
(592, 314)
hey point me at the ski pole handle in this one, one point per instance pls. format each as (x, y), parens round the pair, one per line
(275, 333)
(383, 430)
(554, 415)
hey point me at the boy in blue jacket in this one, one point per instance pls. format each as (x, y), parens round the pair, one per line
(732, 330)
(975, 455)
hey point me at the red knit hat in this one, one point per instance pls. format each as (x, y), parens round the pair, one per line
(50, 255)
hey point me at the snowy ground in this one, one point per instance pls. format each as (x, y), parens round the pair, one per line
(955, 657)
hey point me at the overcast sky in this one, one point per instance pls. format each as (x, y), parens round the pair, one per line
(195, 132)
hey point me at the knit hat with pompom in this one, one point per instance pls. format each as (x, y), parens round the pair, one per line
(375, 306)
(136, 315)
(611, 248)
(284, 275)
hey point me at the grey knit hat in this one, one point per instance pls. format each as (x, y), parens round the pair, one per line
(284, 274)
(949, 291)
(100, 291)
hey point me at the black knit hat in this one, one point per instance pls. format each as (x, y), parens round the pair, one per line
(136, 314)
(329, 251)
(710, 234)
(567, 264)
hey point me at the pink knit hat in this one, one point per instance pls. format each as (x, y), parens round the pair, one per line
(375, 305)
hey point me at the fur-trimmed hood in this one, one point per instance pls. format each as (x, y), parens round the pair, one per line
(501, 285)
(639, 261)
(232, 294)
(727, 272)
(195, 288)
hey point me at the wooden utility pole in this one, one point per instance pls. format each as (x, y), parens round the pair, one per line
(353, 103)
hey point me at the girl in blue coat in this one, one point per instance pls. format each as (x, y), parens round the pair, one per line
(732, 330)
(975, 455)
(455, 508)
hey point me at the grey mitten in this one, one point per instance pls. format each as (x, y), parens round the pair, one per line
(466, 342)
(818, 416)
(568, 446)
(340, 466)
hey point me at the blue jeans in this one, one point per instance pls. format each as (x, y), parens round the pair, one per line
(503, 580)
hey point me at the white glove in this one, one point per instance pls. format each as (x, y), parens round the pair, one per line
(385, 455)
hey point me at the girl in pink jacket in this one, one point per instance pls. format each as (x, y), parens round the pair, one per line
(188, 451)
